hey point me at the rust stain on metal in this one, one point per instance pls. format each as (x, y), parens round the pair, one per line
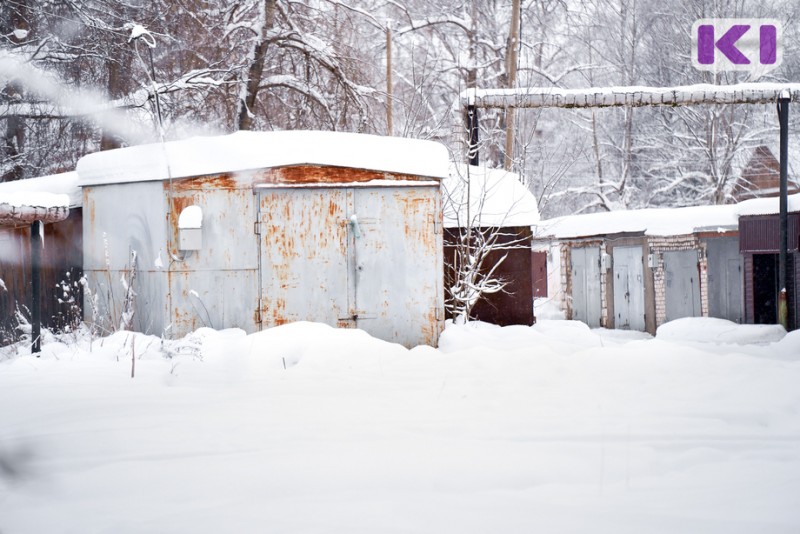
(178, 204)
(415, 209)
(430, 328)
(385, 279)
(317, 174)
(89, 205)
(214, 181)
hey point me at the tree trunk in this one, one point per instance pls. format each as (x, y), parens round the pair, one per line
(598, 160)
(13, 148)
(256, 69)
(511, 69)
(120, 64)
(116, 89)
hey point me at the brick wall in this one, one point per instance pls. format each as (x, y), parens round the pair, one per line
(566, 283)
(659, 245)
(605, 284)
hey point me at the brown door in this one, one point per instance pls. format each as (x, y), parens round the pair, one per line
(539, 274)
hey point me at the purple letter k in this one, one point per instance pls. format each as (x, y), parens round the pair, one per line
(726, 44)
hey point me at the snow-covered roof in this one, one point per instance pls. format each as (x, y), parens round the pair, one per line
(56, 190)
(660, 221)
(247, 150)
(768, 206)
(497, 198)
(45, 199)
(655, 222)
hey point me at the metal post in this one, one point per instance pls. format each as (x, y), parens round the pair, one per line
(473, 157)
(36, 309)
(783, 119)
(389, 83)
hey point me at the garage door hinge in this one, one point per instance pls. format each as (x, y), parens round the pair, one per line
(257, 228)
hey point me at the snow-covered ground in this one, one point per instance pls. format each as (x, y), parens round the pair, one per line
(299, 429)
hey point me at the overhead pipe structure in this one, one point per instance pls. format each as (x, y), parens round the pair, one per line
(472, 100)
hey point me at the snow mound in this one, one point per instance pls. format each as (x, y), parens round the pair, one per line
(545, 308)
(559, 336)
(526, 429)
(789, 346)
(711, 330)
(303, 344)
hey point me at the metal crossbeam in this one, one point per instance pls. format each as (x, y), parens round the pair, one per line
(635, 96)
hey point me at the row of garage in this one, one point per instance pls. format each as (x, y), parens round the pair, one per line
(641, 268)
(350, 230)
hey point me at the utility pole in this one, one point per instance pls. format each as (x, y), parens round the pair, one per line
(36, 283)
(783, 119)
(389, 90)
(512, 51)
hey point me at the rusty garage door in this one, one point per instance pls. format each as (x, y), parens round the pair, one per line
(363, 257)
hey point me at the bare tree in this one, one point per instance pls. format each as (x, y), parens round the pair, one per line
(480, 206)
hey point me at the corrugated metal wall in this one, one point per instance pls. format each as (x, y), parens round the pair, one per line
(749, 298)
(539, 266)
(62, 261)
(761, 233)
(513, 305)
(760, 236)
(793, 290)
(120, 219)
